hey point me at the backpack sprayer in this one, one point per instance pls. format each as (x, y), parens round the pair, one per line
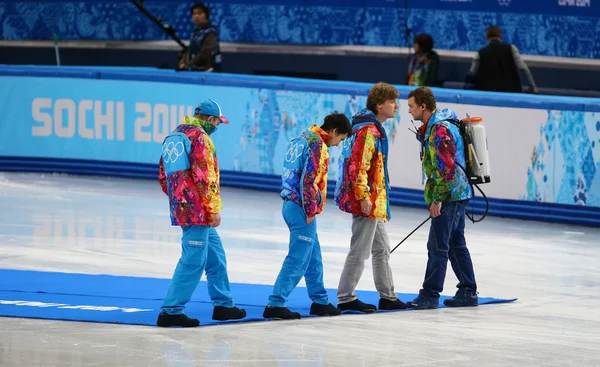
(476, 156)
(477, 160)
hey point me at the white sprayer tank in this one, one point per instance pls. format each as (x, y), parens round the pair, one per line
(478, 151)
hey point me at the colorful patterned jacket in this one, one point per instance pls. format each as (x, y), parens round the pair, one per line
(189, 173)
(363, 173)
(304, 178)
(444, 150)
(423, 70)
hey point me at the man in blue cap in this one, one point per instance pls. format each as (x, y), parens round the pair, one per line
(189, 175)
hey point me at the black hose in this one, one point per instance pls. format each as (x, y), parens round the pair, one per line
(487, 206)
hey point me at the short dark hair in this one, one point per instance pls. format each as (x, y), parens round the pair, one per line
(425, 42)
(337, 121)
(380, 93)
(202, 7)
(493, 31)
(424, 95)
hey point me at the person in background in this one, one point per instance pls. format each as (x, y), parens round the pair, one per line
(423, 65)
(496, 66)
(304, 191)
(447, 193)
(189, 175)
(203, 53)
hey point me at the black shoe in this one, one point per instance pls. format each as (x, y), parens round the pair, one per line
(386, 304)
(462, 300)
(324, 310)
(221, 313)
(282, 313)
(357, 305)
(166, 320)
(424, 303)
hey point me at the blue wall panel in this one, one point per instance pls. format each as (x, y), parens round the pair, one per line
(111, 121)
(537, 27)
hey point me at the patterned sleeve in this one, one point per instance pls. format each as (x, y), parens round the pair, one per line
(205, 173)
(361, 156)
(162, 177)
(442, 150)
(310, 188)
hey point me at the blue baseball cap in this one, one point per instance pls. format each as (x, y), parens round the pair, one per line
(211, 108)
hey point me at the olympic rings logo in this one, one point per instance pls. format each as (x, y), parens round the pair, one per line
(504, 2)
(172, 151)
(294, 152)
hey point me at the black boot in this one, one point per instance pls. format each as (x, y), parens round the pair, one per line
(462, 300)
(282, 313)
(166, 320)
(357, 305)
(221, 313)
(324, 310)
(424, 303)
(386, 304)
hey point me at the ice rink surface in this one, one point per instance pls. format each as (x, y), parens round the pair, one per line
(115, 226)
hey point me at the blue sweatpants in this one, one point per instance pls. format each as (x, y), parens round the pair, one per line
(303, 259)
(201, 249)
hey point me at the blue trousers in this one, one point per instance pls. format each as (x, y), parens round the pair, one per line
(201, 249)
(303, 259)
(447, 242)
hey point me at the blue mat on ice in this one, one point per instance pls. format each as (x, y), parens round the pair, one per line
(132, 300)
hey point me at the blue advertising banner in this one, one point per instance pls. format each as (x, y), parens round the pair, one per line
(118, 119)
(557, 7)
(585, 8)
(123, 121)
(566, 28)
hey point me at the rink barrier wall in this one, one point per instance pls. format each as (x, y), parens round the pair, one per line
(545, 212)
(20, 151)
(295, 84)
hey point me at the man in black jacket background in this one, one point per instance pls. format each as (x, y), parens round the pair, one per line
(204, 53)
(496, 66)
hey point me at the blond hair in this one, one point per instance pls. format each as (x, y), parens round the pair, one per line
(380, 93)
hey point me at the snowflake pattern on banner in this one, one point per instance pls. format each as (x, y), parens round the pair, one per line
(534, 34)
(273, 118)
(565, 164)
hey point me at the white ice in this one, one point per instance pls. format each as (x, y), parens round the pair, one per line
(121, 227)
